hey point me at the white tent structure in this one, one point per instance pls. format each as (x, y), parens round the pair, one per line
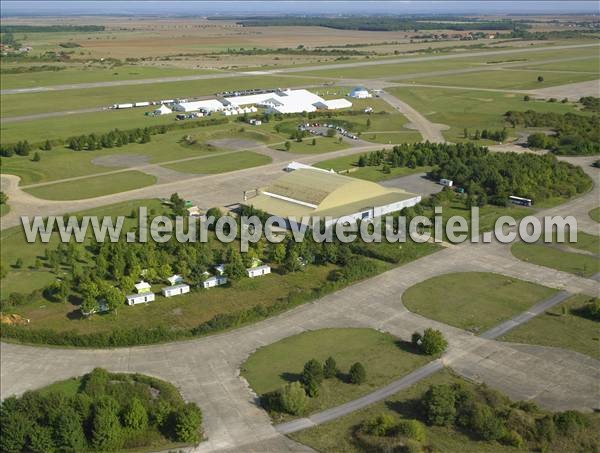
(360, 93)
(209, 105)
(333, 104)
(287, 101)
(163, 110)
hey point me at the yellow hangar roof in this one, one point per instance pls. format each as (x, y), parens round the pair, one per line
(316, 192)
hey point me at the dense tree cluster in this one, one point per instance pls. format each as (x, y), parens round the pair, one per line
(590, 103)
(21, 148)
(108, 412)
(574, 134)
(110, 139)
(489, 177)
(488, 415)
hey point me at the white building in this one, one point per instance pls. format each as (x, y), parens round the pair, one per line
(163, 110)
(258, 271)
(175, 279)
(142, 287)
(287, 101)
(215, 280)
(143, 298)
(360, 93)
(209, 106)
(175, 290)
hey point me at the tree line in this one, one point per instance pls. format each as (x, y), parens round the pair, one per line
(107, 412)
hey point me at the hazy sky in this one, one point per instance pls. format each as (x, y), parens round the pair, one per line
(176, 7)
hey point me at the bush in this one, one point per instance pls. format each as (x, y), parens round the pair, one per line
(513, 439)
(379, 425)
(135, 415)
(569, 423)
(293, 398)
(313, 371)
(433, 342)
(187, 424)
(358, 374)
(330, 369)
(486, 423)
(413, 429)
(438, 405)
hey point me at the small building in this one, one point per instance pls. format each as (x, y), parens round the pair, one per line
(175, 279)
(142, 287)
(143, 298)
(163, 110)
(258, 271)
(175, 290)
(360, 93)
(215, 280)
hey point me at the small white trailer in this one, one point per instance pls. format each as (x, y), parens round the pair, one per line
(446, 182)
(123, 106)
(141, 104)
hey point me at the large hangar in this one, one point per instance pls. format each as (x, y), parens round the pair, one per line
(314, 192)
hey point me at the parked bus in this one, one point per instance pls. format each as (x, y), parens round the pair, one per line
(520, 201)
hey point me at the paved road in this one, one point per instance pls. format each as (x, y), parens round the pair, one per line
(430, 131)
(206, 370)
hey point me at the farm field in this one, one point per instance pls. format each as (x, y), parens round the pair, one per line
(548, 256)
(79, 74)
(469, 109)
(473, 301)
(384, 357)
(564, 326)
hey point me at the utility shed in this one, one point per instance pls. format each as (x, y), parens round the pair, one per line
(175, 290)
(307, 192)
(143, 298)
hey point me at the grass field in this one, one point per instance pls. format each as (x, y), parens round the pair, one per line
(588, 242)
(61, 162)
(473, 301)
(30, 103)
(548, 256)
(392, 138)
(90, 74)
(323, 145)
(222, 164)
(473, 110)
(384, 357)
(14, 245)
(595, 214)
(349, 165)
(337, 435)
(567, 329)
(508, 79)
(94, 186)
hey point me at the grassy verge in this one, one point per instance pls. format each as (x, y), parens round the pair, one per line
(564, 326)
(384, 357)
(322, 145)
(473, 301)
(342, 434)
(595, 214)
(545, 255)
(392, 138)
(95, 186)
(349, 165)
(222, 164)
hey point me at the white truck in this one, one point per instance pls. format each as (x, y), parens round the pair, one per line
(446, 182)
(122, 106)
(141, 104)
